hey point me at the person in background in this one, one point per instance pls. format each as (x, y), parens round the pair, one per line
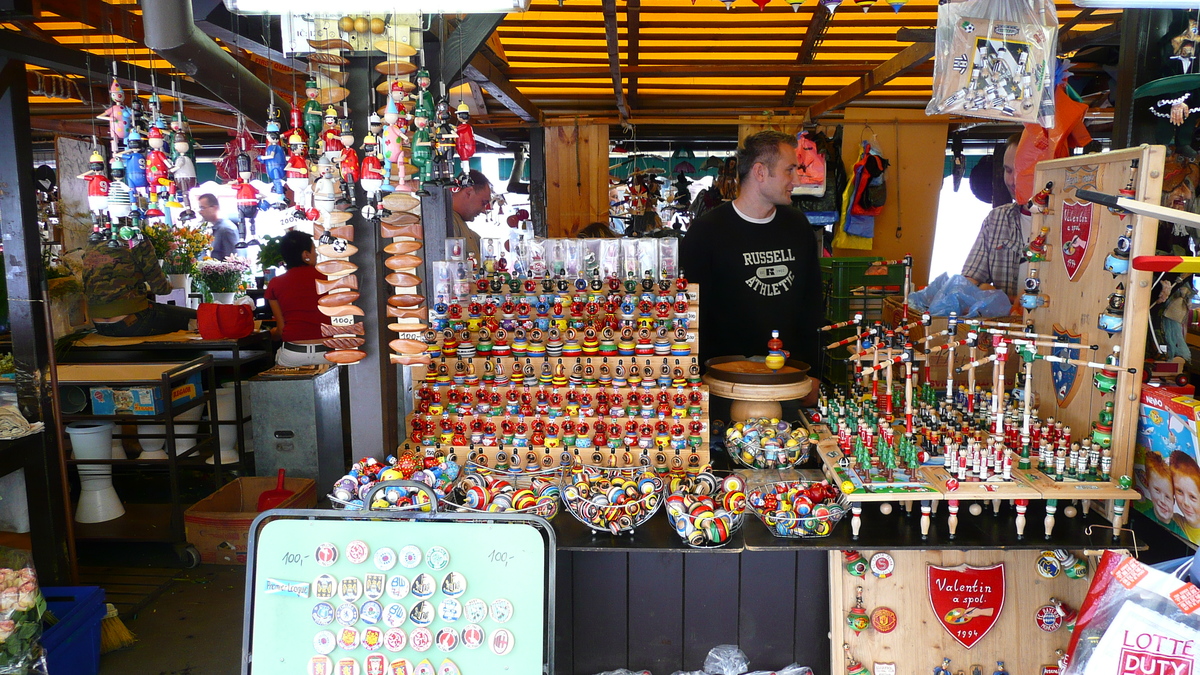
(596, 230)
(292, 297)
(225, 233)
(757, 261)
(469, 202)
(995, 258)
(118, 282)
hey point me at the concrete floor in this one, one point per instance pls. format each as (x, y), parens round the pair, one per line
(193, 628)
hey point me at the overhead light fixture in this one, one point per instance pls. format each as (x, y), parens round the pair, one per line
(322, 7)
(1138, 4)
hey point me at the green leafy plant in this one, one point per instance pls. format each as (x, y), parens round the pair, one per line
(269, 254)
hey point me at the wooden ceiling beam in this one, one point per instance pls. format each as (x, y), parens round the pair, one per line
(912, 56)
(482, 71)
(614, 56)
(114, 19)
(522, 52)
(808, 49)
(633, 15)
(467, 39)
(704, 70)
(1074, 40)
(61, 126)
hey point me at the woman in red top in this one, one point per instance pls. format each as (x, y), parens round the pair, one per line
(293, 299)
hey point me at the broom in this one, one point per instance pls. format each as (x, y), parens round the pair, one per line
(113, 633)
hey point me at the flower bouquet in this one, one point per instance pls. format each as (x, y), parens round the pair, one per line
(223, 276)
(21, 610)
(178, 247)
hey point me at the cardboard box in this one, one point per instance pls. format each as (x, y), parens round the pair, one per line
(219, 525)
(142, 400)
(1165, 460)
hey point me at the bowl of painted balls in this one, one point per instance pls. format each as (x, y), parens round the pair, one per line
(797, 509)
(438, 473)
(616, 500)
(768, 443)
(706, 509)
(488, 490)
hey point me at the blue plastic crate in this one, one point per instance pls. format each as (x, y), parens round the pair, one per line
(73, 644)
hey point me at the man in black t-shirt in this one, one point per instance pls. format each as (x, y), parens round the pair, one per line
(756, 260)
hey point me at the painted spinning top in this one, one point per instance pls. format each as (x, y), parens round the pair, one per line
(1112, 320)
(1117, 262)
(1041, 201)
(855, 564)
(776, 357)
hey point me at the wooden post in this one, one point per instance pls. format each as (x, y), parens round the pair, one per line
(576, 177)
(537, 179)
(44, 477)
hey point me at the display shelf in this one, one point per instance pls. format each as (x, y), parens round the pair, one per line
(898, 530)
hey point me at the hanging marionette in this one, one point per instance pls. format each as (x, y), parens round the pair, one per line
(348, 162)
(370, 169)
(135, 162)
(117, 116)
(154, 105)
(183, 168)
(118, 193)
(392, 147)
(158, 169)
(137, 116)
(97, 190)
(274, 158)
(325, 191)
(297, 127)
(248, 196)
(312, 116)
(331, 136)
(180, 125)
(296, 172)
(422, 147)
(423, 95)
(443, 146)
(464, 144)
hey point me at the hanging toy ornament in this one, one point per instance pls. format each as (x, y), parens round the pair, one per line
(118, 192)
(897, 4)
(423, 95)
(854, 563)
(324, 190)
(422, 147)
(857, 618)
(370, 169)
(392, 149)
(464, 144)
(444, 145)
(246, 194)
(135, 162)
(183, 167)
(762, 4)
(1112, 320)
(728, 4)
(154, 105)
(348, 160)
(274, 158)
(831, 5)
(331, 136)
(795, 4)
(117, 115)
(1117, 262)
(312, 116)
(853, 667)
(865, 4)
(158, 171)
(97, 190)
(296, 172)
(297, 127)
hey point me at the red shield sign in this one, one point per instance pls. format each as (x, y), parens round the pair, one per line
(966, 600)
(1076, 234)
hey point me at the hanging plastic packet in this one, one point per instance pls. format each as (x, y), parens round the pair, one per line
(994, 59)
(610, 258)
(537, 258)
(668, 258)
(630, 269)
(591, 257)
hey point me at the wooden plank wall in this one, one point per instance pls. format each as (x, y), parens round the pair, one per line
(915, 144)
(663, 611)
(577, 177)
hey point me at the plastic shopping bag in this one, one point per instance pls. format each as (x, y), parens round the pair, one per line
(994, 59)
(1135, 619)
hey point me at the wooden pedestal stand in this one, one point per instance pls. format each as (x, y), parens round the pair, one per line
(756, 391)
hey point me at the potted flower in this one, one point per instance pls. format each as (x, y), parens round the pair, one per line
(182, 246)
(223, 278)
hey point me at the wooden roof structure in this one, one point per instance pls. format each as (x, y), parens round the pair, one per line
(665, 64)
